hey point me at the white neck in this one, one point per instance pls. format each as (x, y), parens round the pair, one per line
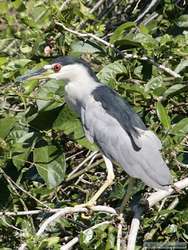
(78, 92)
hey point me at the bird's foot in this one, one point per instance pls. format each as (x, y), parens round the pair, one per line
(91, 203)
(176, 189)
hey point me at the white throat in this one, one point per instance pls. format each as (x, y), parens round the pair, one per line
(78, 92)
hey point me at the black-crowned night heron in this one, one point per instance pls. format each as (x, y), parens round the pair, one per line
(109, 121)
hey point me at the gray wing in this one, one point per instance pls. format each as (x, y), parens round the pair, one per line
(118, 108)
(116, 129)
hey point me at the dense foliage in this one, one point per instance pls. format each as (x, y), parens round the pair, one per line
(42, 141)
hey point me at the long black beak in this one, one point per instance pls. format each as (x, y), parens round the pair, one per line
(35, 75)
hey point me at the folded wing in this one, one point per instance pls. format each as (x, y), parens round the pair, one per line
(121, 135)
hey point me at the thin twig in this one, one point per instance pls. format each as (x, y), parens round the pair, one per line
(54, 217)
(147, 9)
(95, 7)
(87, 168)
(126, 55)
(172, 205)
(11, 226)
(30, 212)
(82, 163)
(22, 189)
(64, 5)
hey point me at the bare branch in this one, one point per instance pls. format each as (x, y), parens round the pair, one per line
(126, 55)
(63, 6)
(71, 210)
(134, 229)
(152, 200)
(76, 239)
(68, 210)
(97, 5)
(119, 234)
(147, 9)
(93, 154)
(54, 217)
(159, 195)
(70, 244)
(30, 212)
(87, 168)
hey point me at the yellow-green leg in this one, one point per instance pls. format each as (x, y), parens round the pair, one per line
(107, 183)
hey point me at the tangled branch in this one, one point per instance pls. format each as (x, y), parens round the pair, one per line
(152, 200)
(126, 55)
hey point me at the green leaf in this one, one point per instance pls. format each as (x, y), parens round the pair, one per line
(163, 115)
(50, 164)
(180, 128)
(183, 21)
(46, 95)
(26, 49)
(3, 60)
(84, 47)
(111, 70)
(86, 237)
(119, 33)
(171, 229)
(173, 90)
(51, 241)
(22, 142)
(182, 65)
(69, 123)
(6, 124)
(146, 40)
(3, 7)
(18, 63)
(154, 83)
(20, 158)
(118, 191)
(111, 240)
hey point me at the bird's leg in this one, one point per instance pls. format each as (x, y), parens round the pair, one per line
(128, 194)
(107, 183)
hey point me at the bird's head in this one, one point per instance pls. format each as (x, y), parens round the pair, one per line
(63, 68)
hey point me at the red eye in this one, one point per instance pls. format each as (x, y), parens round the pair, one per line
(57, 67)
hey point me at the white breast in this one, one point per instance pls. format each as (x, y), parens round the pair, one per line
(77, 93)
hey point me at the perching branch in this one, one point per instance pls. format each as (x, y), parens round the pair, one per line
(71, 210)
(68, 210)
(30, 212)
(125, 55)
(60, 212)
(152, 200)
(71, 243)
